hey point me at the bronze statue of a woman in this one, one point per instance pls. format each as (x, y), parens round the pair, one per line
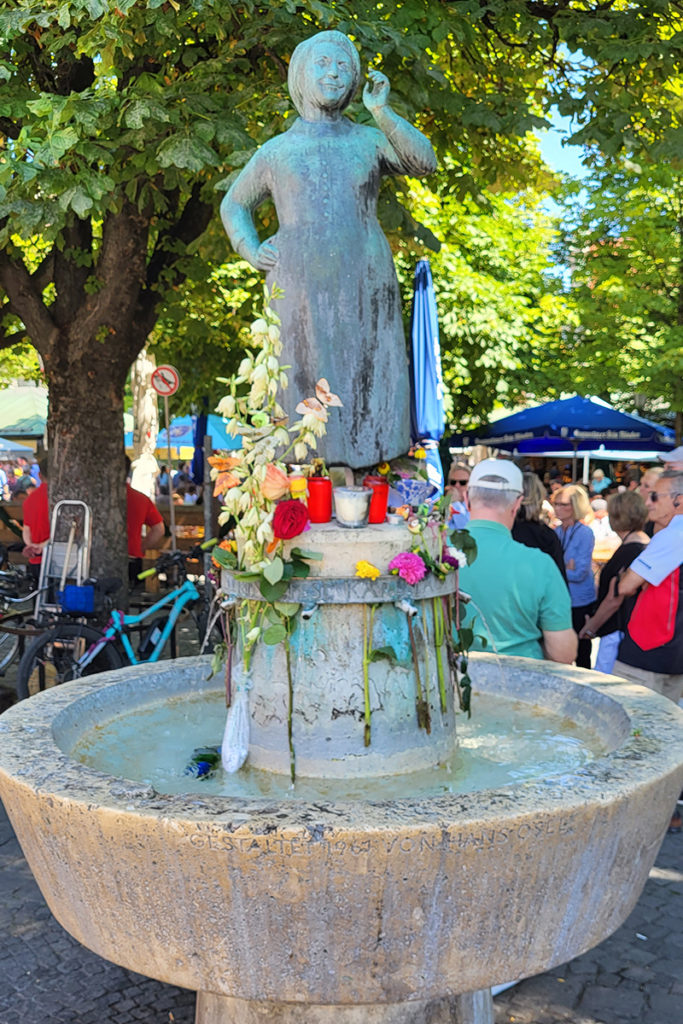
(340, 312)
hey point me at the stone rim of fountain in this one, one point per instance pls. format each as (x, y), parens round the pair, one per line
(633, 705)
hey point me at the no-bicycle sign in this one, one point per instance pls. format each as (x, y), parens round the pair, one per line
(165, 380)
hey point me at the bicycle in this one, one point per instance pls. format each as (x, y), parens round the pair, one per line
(72, 650)
(16, 608)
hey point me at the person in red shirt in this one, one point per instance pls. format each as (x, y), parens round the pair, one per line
(141, 511)
(36, 529)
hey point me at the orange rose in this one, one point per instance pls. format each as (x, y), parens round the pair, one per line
(223, 483)
(275, 484)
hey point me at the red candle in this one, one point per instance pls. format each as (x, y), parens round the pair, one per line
(379, 499)
(319, 499)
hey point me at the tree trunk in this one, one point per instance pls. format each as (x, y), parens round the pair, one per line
(86, 447)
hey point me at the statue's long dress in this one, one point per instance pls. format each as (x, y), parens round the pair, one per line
(341, 315)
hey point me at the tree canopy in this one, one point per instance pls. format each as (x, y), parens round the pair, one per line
(121, 125)
(624, 244)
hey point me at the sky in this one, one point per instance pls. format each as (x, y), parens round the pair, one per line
(557, 156)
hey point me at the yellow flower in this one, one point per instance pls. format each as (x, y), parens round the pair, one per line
(384, 469)
(419, 453)
(367, 571)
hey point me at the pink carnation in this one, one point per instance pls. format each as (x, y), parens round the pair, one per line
(409, 567)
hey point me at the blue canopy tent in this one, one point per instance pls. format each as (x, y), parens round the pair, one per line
(182, 434)
(427, 419)
(576, 424)
(8, 449)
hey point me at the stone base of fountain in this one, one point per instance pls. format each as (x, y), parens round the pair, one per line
(470, 1008)
(389, 908)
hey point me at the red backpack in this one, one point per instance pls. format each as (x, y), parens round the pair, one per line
(653, 619)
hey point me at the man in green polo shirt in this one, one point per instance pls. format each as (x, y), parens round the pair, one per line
(519, 598)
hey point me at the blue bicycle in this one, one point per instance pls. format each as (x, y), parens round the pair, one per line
(73, 649)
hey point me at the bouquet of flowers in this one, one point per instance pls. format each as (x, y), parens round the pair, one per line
(255, 483)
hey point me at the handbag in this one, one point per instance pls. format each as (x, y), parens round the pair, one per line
(653, 620)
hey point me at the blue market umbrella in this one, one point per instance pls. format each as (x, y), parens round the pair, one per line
(577, 423)
(182, 431)
(427, 419)
(9, 448)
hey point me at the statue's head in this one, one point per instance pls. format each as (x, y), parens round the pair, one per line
(324, 72)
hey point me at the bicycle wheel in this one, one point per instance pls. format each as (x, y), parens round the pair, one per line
(9, 645)
(52, 658)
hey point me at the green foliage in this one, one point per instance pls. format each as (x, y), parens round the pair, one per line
(122, 125)
(20, 362)
(499, 299)
(624, 243)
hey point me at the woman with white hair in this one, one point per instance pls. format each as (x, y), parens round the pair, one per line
(340, 308)
(571, 506)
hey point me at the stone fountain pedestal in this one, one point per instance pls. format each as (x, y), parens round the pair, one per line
(383, 910)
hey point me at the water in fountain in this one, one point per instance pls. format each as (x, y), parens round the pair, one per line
(506, 741)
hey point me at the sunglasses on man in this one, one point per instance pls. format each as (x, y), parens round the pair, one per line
(654, 496)
(461, 483)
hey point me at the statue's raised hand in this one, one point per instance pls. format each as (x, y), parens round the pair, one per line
(267, 255)
(376, 91)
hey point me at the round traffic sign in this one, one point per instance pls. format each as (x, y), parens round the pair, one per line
(165, 380)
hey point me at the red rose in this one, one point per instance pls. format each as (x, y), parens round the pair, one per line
(290, 519)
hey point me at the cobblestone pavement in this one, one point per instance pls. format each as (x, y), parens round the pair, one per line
(46, 977)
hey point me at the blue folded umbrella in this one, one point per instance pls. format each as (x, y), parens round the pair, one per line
(427, 419)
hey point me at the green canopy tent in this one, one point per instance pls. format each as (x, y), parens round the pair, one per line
(23, 412)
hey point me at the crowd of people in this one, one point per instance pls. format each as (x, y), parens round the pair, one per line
(18, 476)
(565, 522)
(534, 583)
(145, 525)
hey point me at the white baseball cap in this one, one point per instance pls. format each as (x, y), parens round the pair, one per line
(512, 479)
(675, 456)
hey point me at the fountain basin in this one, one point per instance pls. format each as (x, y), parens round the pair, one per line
(346, 903)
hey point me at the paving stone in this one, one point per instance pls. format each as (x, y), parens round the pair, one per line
(49, 978)
(612, 1005)
(665, 1008)
(638, 973)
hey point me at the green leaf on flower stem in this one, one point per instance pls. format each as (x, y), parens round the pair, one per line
(273, 591)
(287, 608)
(274, 635)
(314, 556)
(288, 571)
(465, 638)
(226, 559)
(300, 570)
(378, 653)
(274, 570)
(273, 616)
